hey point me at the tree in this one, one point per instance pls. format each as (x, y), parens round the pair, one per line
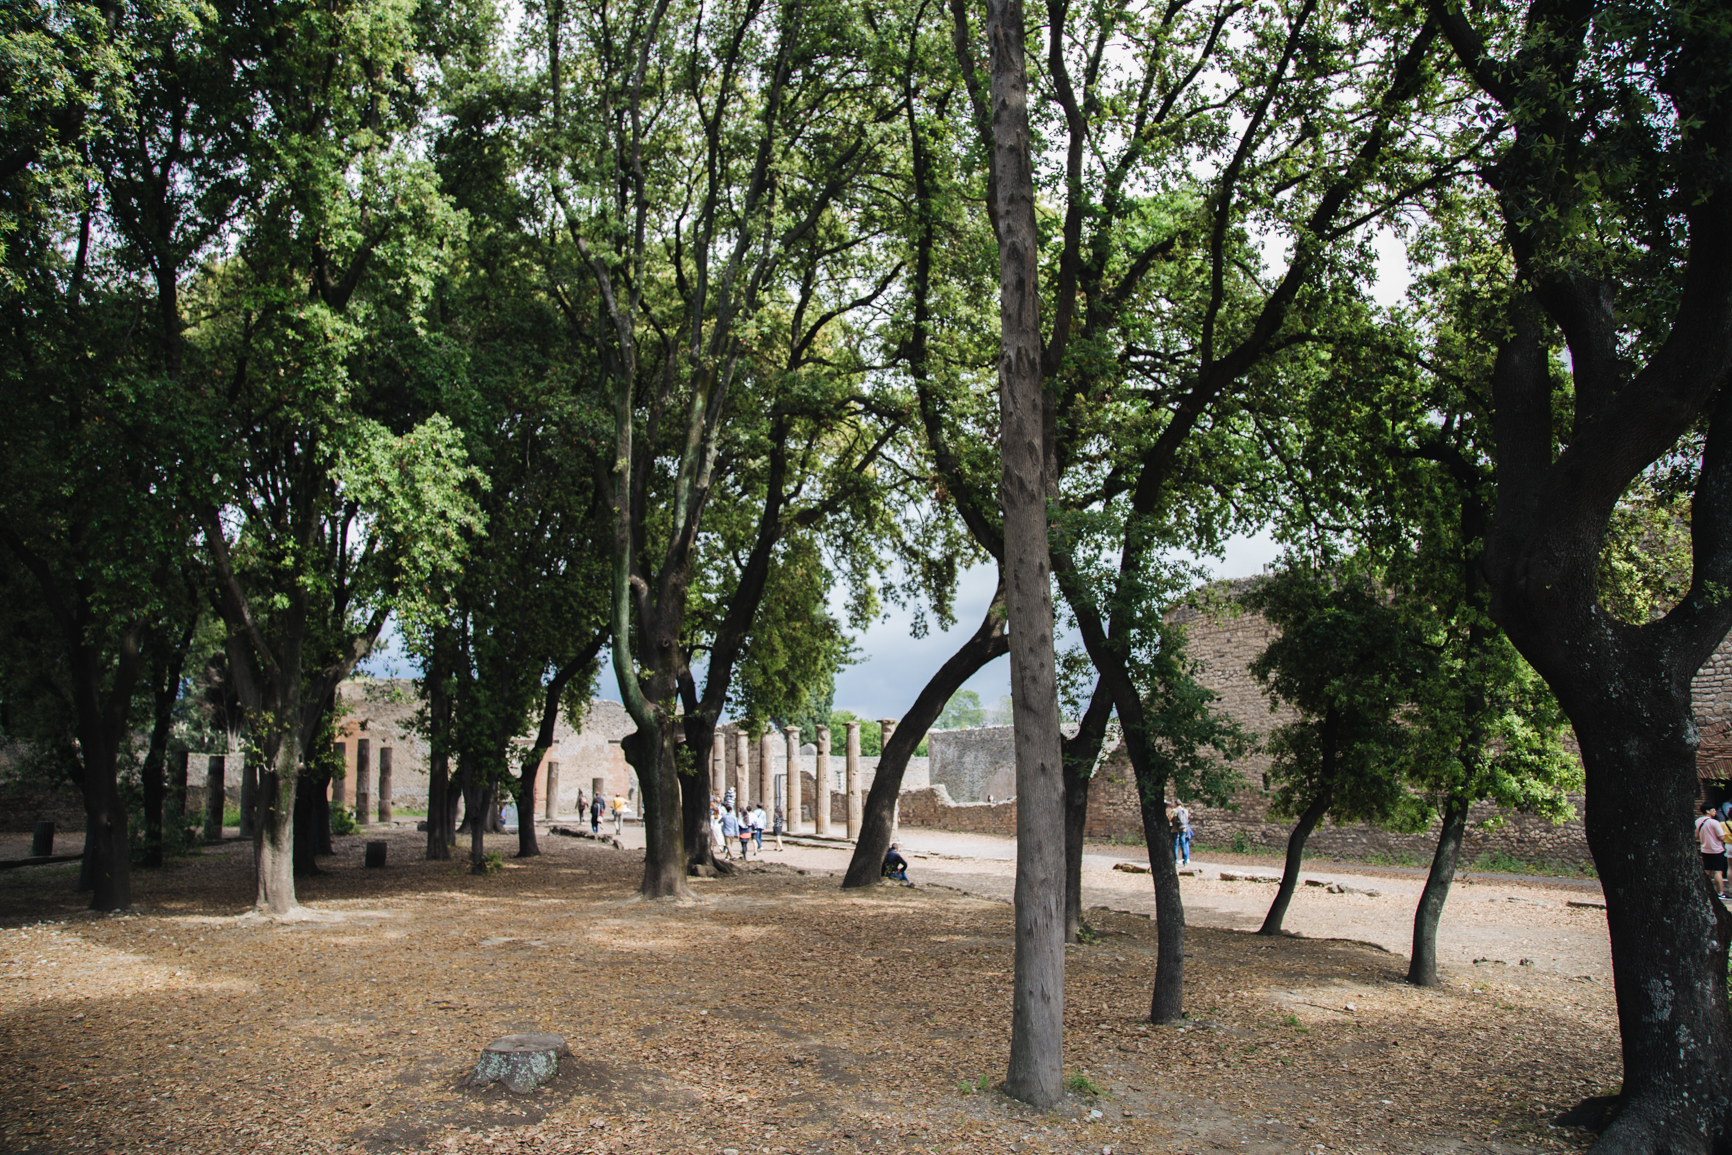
(722, 221)
(1614, 200)
(337, 496)
(962, 712)
(1347, 661)
(1037, 1008)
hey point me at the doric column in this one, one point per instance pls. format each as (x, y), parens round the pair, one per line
(767, 771)
(385, 786)
(363, 773)
(213, 799)
(718, 763)
(821, 783)
(742, 766)
(853, 780)
(551, 808)
(340, 786)
(794, 791)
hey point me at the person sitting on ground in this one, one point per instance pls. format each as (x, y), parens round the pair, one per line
(1711, 837)
(895, 866)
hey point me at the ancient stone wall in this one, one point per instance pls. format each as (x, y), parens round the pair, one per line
(976, 764)
(382, 710)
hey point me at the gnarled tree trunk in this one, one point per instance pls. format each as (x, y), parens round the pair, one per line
(1422, 965)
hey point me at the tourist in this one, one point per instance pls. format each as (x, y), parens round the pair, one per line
(619, 814)
(1182, 834)
(716, 825)
(1711, 837)
(759, 820)
(728, 824)
(595, 806)
(895, 866)
(743, 824)
(778, 828)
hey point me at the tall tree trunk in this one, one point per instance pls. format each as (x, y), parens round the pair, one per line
(306, 839)
(1422, 969)
(988, 641)
(319, 791)
(695, 791)
(1036, 1069)
(274, 845)
(478, 803)
(439, 793)
(1081, 752)
(1167, 1001)
(105, 846)
(1308, 820)
(664, 860)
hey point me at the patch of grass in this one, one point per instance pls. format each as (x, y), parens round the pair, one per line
(1080, 1084)
(1293, 1022)
(492, 862)
(1402, 859)
(231, 817)
(966, 1086)
(1241, 842)
(1497, 862)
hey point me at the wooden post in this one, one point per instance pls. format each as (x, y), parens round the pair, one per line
(552, 787)
(793, 813)
(363, 771)
(821, 783)
(213, 799)
(852, 780)
(385, 784)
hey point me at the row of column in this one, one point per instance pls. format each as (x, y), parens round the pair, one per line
(363, 775)
(821, 772)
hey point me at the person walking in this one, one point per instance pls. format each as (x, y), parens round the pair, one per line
(1182, 834)
(1711, 838)
(595, 806)
(619, 814)
(728, 824)
(758, 821)
(743, 827)
(778, 828)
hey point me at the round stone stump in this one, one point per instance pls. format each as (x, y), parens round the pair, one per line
(521, 1062)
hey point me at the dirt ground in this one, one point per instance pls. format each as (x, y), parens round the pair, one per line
(773, 1014)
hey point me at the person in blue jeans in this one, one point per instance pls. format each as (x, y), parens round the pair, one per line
(730, 831)
(895, 866)
(1181, 834)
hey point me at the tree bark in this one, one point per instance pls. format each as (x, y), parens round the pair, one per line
(1308, 820)
(1081, 752)
(695, 790)
(1036, 1070)
(1422, 967)
(988, 641)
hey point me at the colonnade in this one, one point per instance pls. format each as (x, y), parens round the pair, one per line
(739, 776)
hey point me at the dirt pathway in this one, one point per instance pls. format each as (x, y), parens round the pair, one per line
(774, 1014)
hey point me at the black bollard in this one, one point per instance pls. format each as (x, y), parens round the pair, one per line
(375, 855)
(42, 842)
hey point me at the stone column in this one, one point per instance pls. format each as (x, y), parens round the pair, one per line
(385, 785)
(213, 799)
(551, 808)
(249, 793)
(853, 780)
(794, 784)
(767, 771)
(742, 767)
(718, 763)
(363, 771)
(177, 764)
(821, 783)
(340, 786)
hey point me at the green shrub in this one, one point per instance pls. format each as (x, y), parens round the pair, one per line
(343, 820)
(1241, 842)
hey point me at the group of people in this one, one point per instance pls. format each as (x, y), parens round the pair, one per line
(731, 820)
(598, 807)
(1712, 834)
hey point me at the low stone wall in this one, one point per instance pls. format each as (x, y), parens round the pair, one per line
(22, 807)
(933, 808)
